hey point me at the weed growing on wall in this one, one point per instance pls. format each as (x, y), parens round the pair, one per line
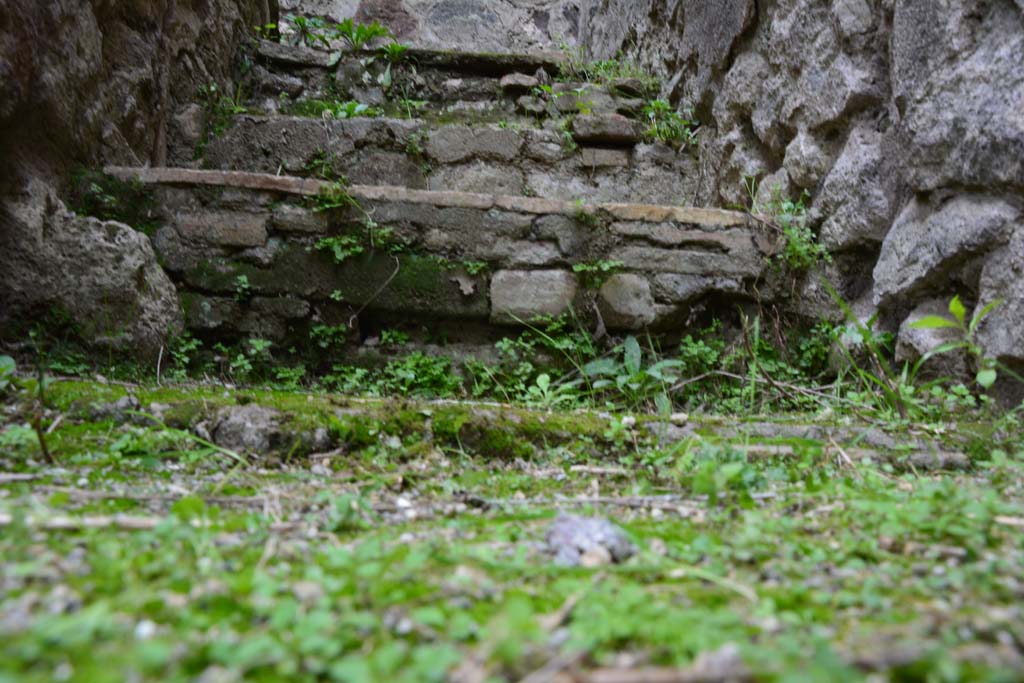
(666, 125)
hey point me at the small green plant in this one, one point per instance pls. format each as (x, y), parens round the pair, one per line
(110, 199)
(593, 274)
(308, 31)
(266, 31)
(332, 109)
(323, 166)
(184, 350)
(418, 375)
(544, 394)
(630, 380)
(395, 52)
(575, 67)
(414, 144)
(243, 290)
(289, 378)
(334, 195)
(586, 216)
(665, 124)
(337, 296)
(393, 338)
(568, 139)
(800, 250)
(329, 337)
(382, 237)
(219, 109)
(411, 107)
(253, 358)
(346, 379)
(359, 35)
(548, 91)
(7, 370)
(988, 368)
(340, 247)
(474, 267)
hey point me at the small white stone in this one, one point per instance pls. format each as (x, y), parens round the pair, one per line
(679, 418)
(629, 422)
(145, 629)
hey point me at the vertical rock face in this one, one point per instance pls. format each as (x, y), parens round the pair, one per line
(904, 120)
(471, 25)
(85, 82)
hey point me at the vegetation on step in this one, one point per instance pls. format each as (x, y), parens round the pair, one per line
(593, 274)
(219, 108)
(799, 249)
(333, 109)
(316, 32)
(576, 68)
(110, 199)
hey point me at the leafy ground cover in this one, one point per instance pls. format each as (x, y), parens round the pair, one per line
(411, 548)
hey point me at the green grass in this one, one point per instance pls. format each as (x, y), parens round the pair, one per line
(414, 548)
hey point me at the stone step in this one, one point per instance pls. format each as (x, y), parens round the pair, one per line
(493, 64)
(489, 158)
(453, 85)
(246, 252)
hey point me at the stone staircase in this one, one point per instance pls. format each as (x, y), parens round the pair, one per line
(479, 200)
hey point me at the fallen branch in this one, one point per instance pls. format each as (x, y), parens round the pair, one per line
(10, 477)
(82, 494)
(119, 522)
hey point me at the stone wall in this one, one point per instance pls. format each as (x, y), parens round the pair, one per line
(83, 83)
(902, 118)
(246, 251)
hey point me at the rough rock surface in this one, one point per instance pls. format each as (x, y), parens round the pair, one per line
(84, 83)
(480, 25)
(259, 430)
(930, 242)
(587, 541)
(100, 277)
(902, 119)
(626, 302)
(521, 296)
(912, 344)
(1000, 333)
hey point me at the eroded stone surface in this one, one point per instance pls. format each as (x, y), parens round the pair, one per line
(626, 302)
(226, 228)
(608, 129)
(521, 296)
(102, 275)
(930, 240)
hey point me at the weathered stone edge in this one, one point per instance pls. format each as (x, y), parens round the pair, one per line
(488, 63)
(716, 218)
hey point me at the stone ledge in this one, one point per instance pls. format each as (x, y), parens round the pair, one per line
(297, 55)
(264, 182)
(481, 63)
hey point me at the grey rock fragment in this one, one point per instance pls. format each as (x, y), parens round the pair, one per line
(587, 541)
(626, 302)
(606, 128)
(249, 428)
(518, 84)
(518, 295)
